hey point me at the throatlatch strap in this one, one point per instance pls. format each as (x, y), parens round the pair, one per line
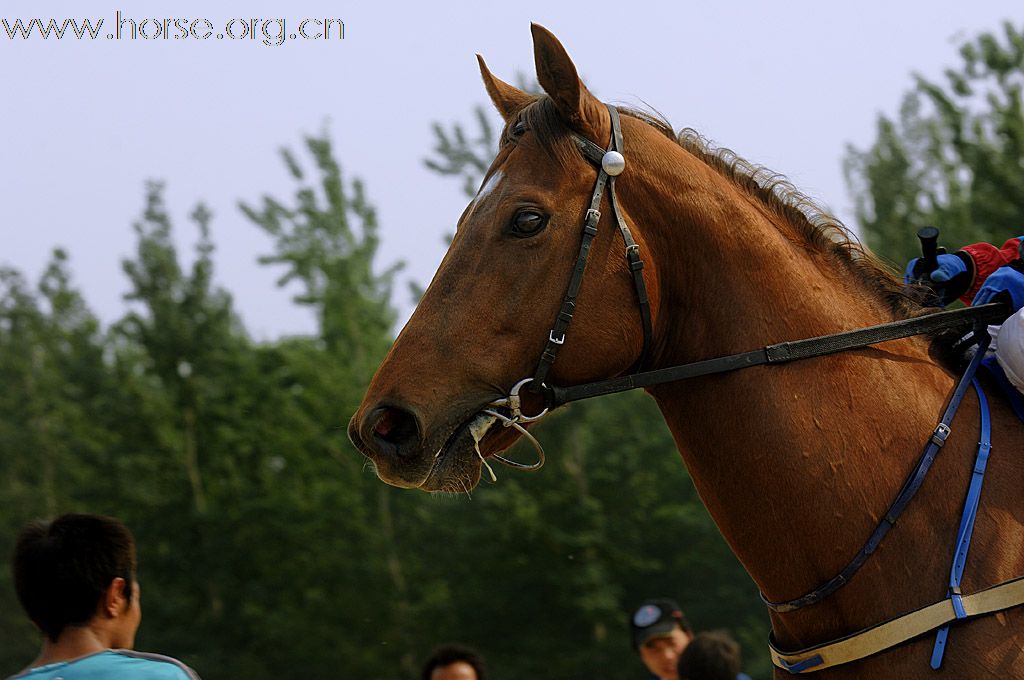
(636, 265)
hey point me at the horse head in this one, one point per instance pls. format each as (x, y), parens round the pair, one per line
(490, 311)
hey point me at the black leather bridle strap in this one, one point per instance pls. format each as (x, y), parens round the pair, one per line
(636, 265)
(556, 338)
(636, 268)
(781, 353)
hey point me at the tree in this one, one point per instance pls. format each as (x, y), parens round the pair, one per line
(186, 329)
(466, 156)
(326, 239)
(326, 242)
(954, 158)
(55, 432)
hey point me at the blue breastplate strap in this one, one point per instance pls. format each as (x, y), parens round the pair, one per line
(936, 616)
(963, 535)
(910, 488)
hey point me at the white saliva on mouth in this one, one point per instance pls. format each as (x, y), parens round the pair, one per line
(478, 429)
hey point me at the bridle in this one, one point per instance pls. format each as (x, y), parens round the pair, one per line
(611, 163)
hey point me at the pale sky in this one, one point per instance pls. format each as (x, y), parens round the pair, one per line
(86, 123)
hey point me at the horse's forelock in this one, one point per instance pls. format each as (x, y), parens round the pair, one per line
(542, 119)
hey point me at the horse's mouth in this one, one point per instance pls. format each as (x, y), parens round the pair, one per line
(458, 463)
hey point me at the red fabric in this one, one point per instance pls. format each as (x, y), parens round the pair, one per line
(987, 258)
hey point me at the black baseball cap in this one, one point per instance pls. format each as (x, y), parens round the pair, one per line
(656, 618)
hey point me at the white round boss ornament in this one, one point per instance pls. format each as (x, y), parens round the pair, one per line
(613, 163)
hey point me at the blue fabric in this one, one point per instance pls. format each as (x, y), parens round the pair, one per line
(1015, 398)
(949, 266)
(110, 664)
(1003, 280)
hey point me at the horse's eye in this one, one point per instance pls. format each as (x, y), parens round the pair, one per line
(528, 223)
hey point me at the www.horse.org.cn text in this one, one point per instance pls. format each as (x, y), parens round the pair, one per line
(269, 32)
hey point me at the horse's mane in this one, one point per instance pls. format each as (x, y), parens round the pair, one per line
(819, 230)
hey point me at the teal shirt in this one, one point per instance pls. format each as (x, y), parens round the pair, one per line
(121, 663)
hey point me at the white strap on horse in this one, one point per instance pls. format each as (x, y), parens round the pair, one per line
(878, 638)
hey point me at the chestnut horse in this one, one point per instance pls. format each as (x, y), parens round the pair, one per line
(796, 464)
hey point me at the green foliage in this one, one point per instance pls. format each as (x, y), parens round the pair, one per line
(953, 159)
(326, 242)
(460, 156)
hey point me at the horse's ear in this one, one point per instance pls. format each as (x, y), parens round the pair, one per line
(557, 75)
(507, 99)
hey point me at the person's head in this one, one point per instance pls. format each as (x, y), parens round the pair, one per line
(660, 634)
(454, 662)
(78, 570)
(710, 656)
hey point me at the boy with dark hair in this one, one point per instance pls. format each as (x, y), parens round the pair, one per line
(710, 656)
(75, 578)
(454, 662)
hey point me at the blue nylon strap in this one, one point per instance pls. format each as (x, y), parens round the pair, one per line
(964, 533)
(940, 647)
(801, 666)
(910, 488)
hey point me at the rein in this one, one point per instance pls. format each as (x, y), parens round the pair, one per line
(611, 163)
(780, 353)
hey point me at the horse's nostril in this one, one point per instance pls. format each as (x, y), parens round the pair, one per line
(394, 426)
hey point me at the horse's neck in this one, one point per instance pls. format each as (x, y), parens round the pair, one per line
(795, 463)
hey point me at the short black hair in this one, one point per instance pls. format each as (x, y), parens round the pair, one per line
(62, 568)
(446, 655)
(710, 656)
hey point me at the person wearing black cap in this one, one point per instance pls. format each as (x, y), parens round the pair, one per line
(660, 634)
